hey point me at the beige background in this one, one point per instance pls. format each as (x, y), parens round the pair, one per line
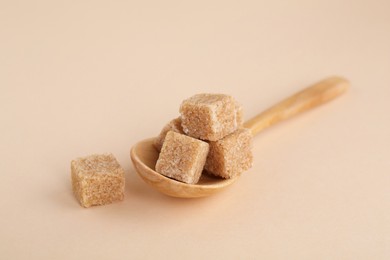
(82, 77)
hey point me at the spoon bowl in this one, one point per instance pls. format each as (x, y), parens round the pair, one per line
(144, 156)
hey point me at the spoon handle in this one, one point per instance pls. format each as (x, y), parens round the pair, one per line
(310, 97)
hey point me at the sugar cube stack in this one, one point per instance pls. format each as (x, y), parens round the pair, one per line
(97, 180)
(208, 135)
(212, 119)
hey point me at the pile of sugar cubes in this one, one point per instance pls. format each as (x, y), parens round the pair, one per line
(209, 135)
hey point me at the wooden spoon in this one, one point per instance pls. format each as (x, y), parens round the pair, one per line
(144, 155)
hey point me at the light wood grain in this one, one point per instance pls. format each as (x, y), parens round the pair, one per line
(306, 99)
(144, 155)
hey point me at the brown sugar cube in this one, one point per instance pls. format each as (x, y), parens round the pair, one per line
(182, 157)
(239, 115)
(231, 155)
(209, 116)
(97, 180)
(174, 125)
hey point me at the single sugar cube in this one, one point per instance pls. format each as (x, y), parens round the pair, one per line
(182, 157)
(231, 155)
(174, 125)
(97, 180)
(209, 116)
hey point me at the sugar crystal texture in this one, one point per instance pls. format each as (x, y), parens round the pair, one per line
(97, 180)
(210, 116)
(182, 157)
(174, 125)
(239, 115)
(231, 155)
